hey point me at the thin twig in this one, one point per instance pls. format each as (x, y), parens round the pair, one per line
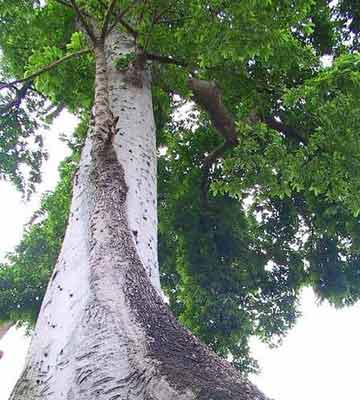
(44, 69)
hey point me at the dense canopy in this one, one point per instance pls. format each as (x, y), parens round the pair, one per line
(252, 207)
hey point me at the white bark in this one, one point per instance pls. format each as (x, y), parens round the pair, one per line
(103, 331)
(80, 348)
(135, 147)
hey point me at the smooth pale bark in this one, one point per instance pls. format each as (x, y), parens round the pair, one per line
(104, 331)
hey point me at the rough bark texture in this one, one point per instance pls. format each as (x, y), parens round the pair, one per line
(104, 331)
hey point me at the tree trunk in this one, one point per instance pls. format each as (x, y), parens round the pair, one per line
(104, 331)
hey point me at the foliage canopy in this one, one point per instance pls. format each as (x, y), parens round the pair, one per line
(276, 210)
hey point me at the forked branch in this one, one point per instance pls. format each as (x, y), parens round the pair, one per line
(119, 18)
(109, 12)
(84, 21)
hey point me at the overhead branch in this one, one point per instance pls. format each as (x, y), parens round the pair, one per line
(44, 69)
(208, 96)
(84, 21)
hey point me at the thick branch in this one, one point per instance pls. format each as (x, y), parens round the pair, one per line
(45, 69)
(208, 96)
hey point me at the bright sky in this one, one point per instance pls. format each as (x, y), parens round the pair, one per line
(318, 359)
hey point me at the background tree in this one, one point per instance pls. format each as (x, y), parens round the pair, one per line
(258, 188)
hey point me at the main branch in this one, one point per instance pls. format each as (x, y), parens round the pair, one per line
(208, 96)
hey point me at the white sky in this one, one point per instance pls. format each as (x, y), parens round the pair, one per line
(318, 360)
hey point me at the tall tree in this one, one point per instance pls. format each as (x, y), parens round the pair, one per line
(258, 189)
